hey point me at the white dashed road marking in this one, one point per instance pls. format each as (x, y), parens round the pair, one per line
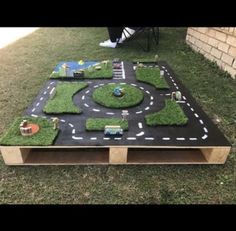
(52, 91)
(139, 112)
(110, 113)
(166, 138)
(96, 109)
(140, 125)
(131, 138)
(77, 138)
(180, 138)
(140, 134)
(71, 125)
(205, 136)
(149, 138)
(93, 138)
(86, 105)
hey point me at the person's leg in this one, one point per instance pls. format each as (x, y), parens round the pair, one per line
(115, 34)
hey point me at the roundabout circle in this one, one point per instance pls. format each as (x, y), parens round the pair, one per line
(105, 97)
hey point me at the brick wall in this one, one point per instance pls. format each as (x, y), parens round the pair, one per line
(216, 44)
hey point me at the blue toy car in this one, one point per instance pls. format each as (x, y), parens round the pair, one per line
(113, 131)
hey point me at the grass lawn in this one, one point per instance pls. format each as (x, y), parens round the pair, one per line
(171, 114)
(98, 124)
(151, 76)
(104, 96)
(62, 102)
(45, 135)
(27, 64)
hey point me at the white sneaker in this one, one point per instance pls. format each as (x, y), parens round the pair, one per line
(108, 43)
(127, 32)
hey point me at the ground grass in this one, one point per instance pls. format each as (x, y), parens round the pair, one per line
(98, 124)
(62, 101)
(151, 76)
(104, 96)
(45, 135)
(171, 114)
(27, 64)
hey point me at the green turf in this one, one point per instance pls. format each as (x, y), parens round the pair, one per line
(171, 114)
(151, 76)
(62, 102)
(26, 65)
(45, 135)
(104, 96)
(98, 124)
(106, 72)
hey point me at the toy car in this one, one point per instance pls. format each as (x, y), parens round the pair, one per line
(113, 131)
(116, 65)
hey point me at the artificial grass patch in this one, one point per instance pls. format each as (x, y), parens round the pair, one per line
(62, 101)
(151, 76)
(44, 137)
(171, 114)
(98, 124)
(104, 96)
(106, 72)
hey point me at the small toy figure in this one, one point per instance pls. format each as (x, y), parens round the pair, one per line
(117, 65)
(176, 96)
(27, 129)
(65, 69)
(118, 92)
(55, 122)
(124, 114)
(81, 62)
(113, 130)
(140, 65)
(98, 68)
(156, 58)
(105, 63)
(161, 73)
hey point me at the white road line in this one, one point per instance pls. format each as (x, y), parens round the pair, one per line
(41, 98)
(133, 84)
(37, 104)
(131, 138)
(163, 67)
(167, 94)
(83, 97)
(122, 83)
(140, 134)
(77, 138)
(63, 121)
(188, 104)
(151, 103)
(52, 91)
(180, 101)
(180, 138)
(101, 84)
(201, 122)
(149, 138)
(205, 129)
(192, 109)
(140, 125)
(48, 87)
(172, 80)
(151, 97)
(141, 88)
(111, 83)
(193, 138)
(95, 86)
(73, 131)
(93, 138)
(166, 138)
(94, 109)
(86, 105)
(175, 84)
(184, 97)
(34, 115)
(106, 138)
(44, 117)
(176, 87)
(89, 82)
(117, 138)
(87, 91)
(196, 115)
(148, 92)
(168, 73)
(110, 113)
(205, 136)
(51, 83)
(139, 112)
(45, 93)
(71, 125)
(33, 109)
(147, 108)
